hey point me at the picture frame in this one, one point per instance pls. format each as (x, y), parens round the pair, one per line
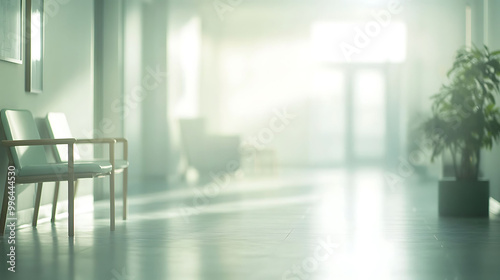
(11, 29)
(34, 45)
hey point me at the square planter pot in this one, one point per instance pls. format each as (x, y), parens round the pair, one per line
(464, 198)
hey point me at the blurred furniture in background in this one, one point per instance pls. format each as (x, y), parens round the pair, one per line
(209, 153)
(265, 162)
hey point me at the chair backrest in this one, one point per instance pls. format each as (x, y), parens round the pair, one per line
(20, 125)
(58, 128)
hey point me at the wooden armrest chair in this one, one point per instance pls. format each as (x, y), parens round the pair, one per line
(28, 157)
(58, 127)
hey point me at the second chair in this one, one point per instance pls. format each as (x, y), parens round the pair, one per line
(58, 127)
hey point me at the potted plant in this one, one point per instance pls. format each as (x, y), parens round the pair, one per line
(465, 119)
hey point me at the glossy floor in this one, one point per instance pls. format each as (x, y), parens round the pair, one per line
(331, 224)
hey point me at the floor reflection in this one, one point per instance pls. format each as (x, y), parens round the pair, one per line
(305, 224)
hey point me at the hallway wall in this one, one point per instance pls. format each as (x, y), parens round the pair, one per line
(67, 85)
(131, 84)
(154, 126)
(257, 58)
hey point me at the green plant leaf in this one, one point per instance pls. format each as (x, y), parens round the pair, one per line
(464, 111)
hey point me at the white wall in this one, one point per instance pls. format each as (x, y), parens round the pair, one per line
(67, 83)
(155, 136)
(133, 78)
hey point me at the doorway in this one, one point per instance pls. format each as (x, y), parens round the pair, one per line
(356, 100)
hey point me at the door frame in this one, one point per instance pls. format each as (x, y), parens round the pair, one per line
(392, 82)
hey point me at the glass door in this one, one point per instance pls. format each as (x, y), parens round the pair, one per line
(348, 124)
(368, 115)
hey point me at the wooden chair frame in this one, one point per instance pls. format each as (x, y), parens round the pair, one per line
(70, 177)
(117, 171)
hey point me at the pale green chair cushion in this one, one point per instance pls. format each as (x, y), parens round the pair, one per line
(31, 160)
(62, 168)
(58, 127)
(20, 125)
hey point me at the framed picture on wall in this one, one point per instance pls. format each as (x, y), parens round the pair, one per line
(34, 46)
(11, 22)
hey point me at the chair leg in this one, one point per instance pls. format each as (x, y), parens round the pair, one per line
(112, 200)
(125, 189)
(76, 187)
(71, 208)
(112, 187)
(54, 202)
(71, 191)
(3, 214)
(37, 204)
